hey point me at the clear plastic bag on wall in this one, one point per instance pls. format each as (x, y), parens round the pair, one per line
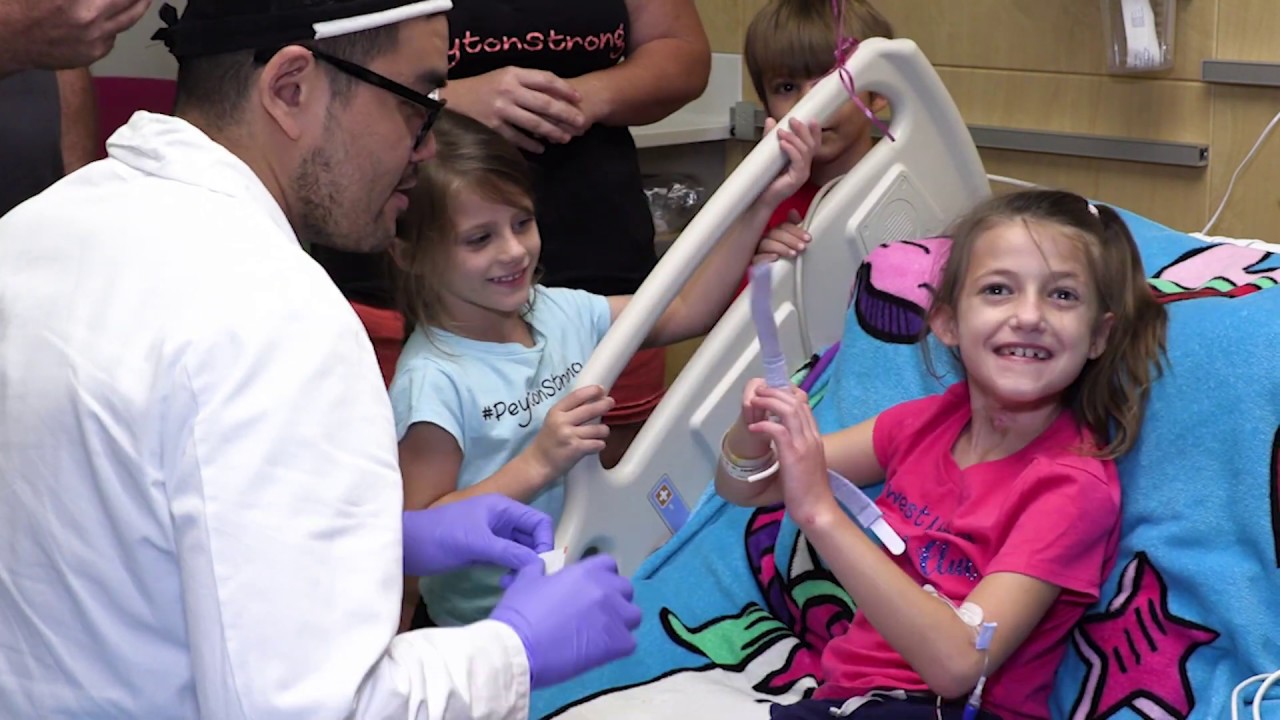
(1139, 34)
(673, 201)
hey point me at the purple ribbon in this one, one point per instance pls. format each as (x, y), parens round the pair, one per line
(844, 48)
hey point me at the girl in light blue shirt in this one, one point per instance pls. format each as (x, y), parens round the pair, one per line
(482, 391)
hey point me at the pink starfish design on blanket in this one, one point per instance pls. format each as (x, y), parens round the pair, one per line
(1137, 651)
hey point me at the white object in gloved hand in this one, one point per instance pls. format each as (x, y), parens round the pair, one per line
(573, 621)
(553, 560)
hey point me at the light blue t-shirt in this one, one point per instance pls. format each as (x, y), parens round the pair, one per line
(492, 398)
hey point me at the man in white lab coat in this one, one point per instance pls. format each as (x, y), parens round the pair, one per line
(200, 505)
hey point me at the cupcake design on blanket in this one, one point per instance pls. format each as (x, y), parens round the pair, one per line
(894, 288)
(1226, 270)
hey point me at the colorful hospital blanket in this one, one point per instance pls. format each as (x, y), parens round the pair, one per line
(738, 607)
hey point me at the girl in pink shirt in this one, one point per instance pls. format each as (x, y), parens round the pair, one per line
(1004, 487)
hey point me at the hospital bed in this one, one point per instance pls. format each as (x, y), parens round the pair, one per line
(905, 188)
(737, 607)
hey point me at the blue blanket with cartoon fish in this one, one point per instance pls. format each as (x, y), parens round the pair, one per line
(738, 607)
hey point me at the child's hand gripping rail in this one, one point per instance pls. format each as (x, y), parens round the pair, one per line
(855, 501)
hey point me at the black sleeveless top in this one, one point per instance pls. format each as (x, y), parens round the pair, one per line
(597, 233)
(30, 136)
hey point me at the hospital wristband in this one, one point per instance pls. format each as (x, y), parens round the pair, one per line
(747, 469)
(748, 474)
(745, 463)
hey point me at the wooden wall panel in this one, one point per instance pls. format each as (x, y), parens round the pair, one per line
(1248, 30)
(749, 10)
(1059, 36)
(1239, 116)
(723, 22)
(1164, 110)
(1174, 196)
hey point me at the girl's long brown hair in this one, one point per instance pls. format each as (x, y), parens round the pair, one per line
(1110, 396)
(468, 155)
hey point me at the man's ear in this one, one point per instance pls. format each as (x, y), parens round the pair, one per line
(942, 322)
(293, 91)
(1101, 333)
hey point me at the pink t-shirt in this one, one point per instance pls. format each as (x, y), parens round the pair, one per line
(1046, 511)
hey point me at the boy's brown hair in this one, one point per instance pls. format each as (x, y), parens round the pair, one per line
(797, 38)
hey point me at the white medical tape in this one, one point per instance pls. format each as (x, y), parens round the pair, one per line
(554, 560)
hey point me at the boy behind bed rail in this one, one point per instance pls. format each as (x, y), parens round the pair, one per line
(481, 393)
(1004, 487)
(790, 47)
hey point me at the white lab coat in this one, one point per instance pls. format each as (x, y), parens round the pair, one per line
(199, 496)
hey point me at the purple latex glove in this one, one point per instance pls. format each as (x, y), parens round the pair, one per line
(492, 529)
(572, 621)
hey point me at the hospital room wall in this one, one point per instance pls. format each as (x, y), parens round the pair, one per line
(1039, 64)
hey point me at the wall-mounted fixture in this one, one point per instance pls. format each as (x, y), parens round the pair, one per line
(1240, 72)
(1138, 34)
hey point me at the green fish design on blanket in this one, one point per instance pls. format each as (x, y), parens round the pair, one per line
(807, 607)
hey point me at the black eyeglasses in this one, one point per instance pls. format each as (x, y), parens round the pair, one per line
(431, 103)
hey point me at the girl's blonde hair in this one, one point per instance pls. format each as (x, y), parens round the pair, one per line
(469, 156)
(1110, 396)
(797, 38)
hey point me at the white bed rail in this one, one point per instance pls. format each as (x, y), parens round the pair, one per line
(910, 187)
